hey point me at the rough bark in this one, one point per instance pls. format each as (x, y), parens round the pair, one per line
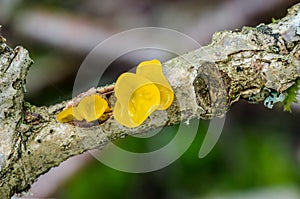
(247, 63)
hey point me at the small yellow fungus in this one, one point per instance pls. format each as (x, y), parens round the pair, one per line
(137, 98)
(90, 108)
(66, 115)
(152, 70)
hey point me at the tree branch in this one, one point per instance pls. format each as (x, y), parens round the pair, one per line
(247, 64)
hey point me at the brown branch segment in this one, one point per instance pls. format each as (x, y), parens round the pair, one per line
(246, 64)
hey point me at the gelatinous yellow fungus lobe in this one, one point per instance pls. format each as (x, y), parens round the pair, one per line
(152, 70)
(137, 98)
(143, 102)
(122, 116)
(66, 115)
(91, 108)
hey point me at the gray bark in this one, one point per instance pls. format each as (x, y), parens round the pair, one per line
(247, 64)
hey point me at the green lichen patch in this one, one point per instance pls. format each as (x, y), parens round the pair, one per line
(291, 96)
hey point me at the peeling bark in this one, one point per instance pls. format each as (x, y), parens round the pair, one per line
(247, 64)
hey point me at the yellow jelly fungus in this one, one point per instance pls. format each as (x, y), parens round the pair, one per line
(152, 70)
(90, 108)
(137, 98)
(65, 115)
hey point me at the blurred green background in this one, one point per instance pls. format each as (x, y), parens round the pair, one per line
(257, 150)
(257, 155)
